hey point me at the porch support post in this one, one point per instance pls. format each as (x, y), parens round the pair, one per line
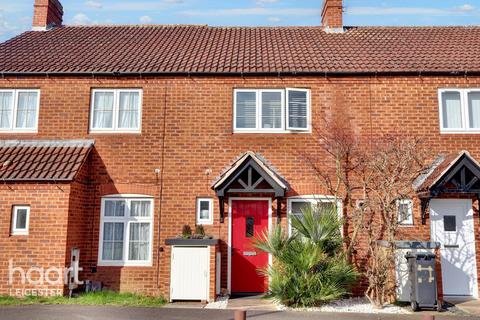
(279, 210)
(222, 209)
(424, 207)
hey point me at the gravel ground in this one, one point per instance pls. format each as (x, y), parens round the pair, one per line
(357, 305)
(221, 303)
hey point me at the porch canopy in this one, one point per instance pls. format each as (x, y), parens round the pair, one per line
(250, 174)
(456, 174)
(42, 160)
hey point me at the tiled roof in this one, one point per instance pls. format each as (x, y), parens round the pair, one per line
(42, 160)
(204, 49)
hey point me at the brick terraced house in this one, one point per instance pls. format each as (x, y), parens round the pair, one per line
(115, 137)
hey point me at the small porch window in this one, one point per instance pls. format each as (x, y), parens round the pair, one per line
(204, 210)
(20, 220)
(405, 212)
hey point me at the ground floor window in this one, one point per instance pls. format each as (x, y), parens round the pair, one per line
(126, 231)
(296, 205)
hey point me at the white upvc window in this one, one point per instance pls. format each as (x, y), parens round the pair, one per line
(20, 220)
(126, 231)
(405, 212)
(19, 110)
(271, 110)
(116, 110)
(204, 210)
(459, 110)
(296, 205)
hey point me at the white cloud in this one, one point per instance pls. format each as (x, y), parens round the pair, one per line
(81, 19)
(173, 1)
(409, 11)
(274, 19)
(466, 8)
(6, 27)
(146, 19)
(253, 12)
(93, 4)
(262, 3)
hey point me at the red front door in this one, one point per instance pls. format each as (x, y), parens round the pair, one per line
(249, 220)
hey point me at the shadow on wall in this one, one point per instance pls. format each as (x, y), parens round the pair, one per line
(84, 221)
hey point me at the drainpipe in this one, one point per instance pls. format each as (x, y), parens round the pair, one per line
(162, 163)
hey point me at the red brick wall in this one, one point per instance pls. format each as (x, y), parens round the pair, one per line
(47, 12)
(332, 14)
(198, 136)
(44, 246)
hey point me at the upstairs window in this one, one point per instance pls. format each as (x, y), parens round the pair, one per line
(118, 110)
(19, 110)
(271, 110)
(459, 110)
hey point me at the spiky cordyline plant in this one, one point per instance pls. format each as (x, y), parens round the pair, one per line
(309, 266)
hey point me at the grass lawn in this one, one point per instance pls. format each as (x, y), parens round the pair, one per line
(93, 298)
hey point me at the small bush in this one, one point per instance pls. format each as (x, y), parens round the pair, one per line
(186, 232)
(309, 266)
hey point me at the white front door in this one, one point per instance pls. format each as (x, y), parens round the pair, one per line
(190, 273)
(452, 226)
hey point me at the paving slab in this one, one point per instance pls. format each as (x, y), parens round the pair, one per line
(468, 305)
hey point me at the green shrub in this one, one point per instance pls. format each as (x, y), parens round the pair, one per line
(309, 266)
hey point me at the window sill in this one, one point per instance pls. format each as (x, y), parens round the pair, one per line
(19, 131)
(204, 223)
(124, 264)
(236, 132)
(460, 132)
(21, 234)
(115, 132)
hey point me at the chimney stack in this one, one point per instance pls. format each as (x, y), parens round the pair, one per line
(47, 14)
(332, 15)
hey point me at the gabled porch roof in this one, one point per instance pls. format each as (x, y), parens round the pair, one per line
(250, 174)
(454, 173)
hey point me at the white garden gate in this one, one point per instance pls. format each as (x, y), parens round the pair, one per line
(190, 273)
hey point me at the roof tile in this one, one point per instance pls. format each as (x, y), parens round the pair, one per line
(204, 49)
(42, 160)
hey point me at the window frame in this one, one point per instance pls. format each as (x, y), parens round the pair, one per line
(258, 113)
(313, 199)
(410, 221)
(116, 111)
(465, 129)
(127, 220)
(14, 231)
(287, 111)
(13, 128)
(210, 211)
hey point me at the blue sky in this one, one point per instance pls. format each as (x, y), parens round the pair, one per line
(16, 15)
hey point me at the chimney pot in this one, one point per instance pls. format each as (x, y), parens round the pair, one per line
(332, 15)
(47, 14)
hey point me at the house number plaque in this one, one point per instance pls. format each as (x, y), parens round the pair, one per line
(249, 253)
